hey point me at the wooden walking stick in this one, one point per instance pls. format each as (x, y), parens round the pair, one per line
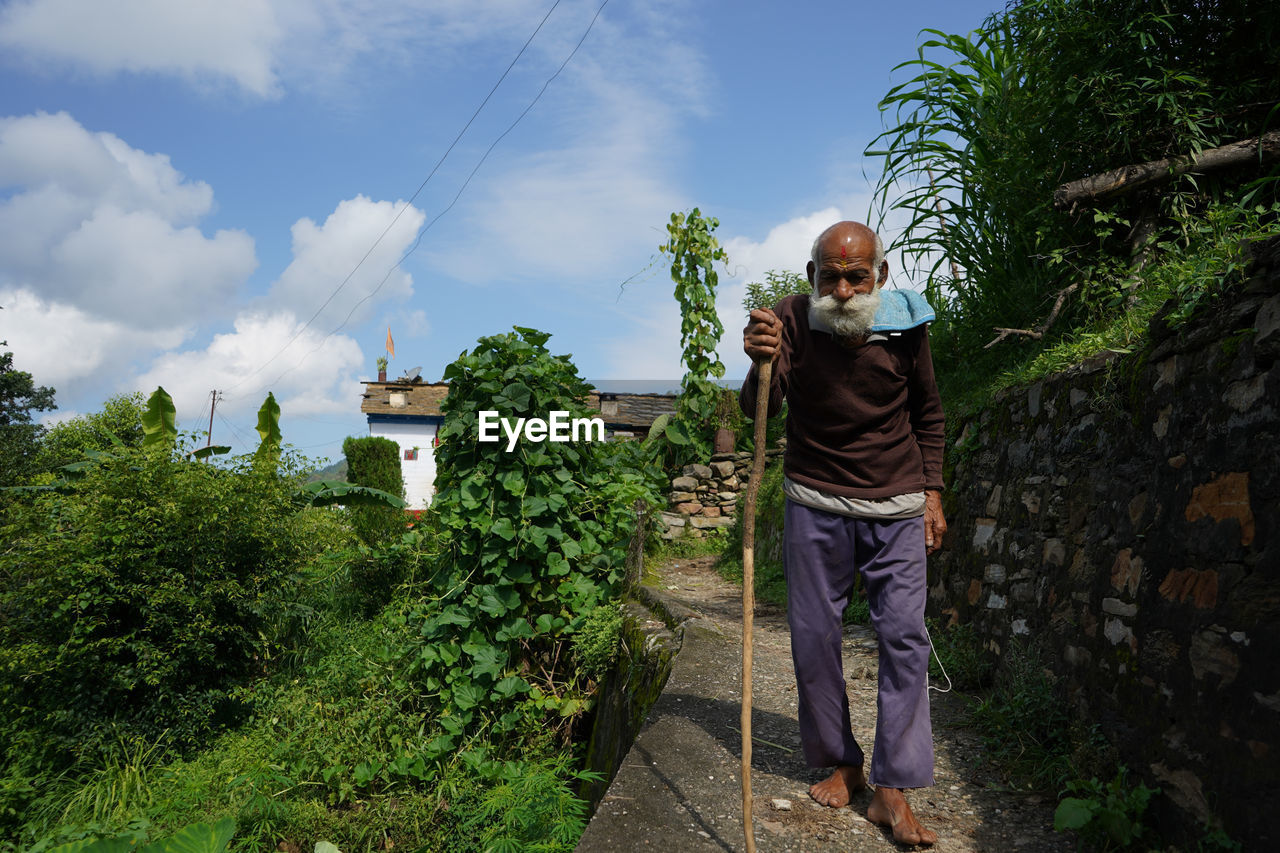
(764, 376)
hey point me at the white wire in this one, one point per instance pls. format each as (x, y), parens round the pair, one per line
(940, 666)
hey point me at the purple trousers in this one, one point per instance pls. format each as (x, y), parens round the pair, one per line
(821, 553)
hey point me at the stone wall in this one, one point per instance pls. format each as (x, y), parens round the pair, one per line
(1126, 514)
(705, 497)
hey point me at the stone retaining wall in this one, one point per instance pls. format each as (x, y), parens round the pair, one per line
(1126, 514)
(705, 497)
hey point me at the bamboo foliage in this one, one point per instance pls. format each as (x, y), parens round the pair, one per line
(945, 157)
(1046, 92)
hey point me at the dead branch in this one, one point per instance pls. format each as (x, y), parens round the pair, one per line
(1004, 333)
(1037, 334)
(1128, 179)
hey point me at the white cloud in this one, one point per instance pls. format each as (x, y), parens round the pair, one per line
(310, 369)
(787, 245)
(261, 47)
(136, 267)
(324, 255)
(201, 40)
(102, 265)
(317, 375)
(785, 248)
(610, 198)
(97, 225)
(66, 348)
(54, 150)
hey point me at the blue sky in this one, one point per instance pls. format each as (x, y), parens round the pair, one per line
(185, 187)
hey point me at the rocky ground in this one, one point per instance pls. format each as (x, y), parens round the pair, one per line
(968, 810)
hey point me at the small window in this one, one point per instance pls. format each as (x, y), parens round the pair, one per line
(411, 454)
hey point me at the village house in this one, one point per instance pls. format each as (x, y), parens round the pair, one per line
(407, 411)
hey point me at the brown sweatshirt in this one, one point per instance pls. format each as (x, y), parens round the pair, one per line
(863, 422)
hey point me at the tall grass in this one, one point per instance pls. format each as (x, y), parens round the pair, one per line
(1045, 92)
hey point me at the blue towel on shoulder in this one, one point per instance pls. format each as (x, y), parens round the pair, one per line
(901, 310)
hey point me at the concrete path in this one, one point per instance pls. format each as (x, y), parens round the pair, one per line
(678, 789)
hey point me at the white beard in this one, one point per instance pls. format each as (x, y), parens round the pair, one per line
(851, 318)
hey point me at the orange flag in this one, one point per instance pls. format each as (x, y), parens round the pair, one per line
(391, 345)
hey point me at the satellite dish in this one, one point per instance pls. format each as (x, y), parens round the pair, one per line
(413, 373)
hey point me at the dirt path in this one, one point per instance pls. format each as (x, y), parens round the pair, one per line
(966, 813)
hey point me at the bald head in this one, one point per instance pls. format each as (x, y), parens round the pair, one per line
(847, 261)
(849, 236)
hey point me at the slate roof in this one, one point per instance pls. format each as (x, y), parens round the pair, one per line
(620, 411)
(419, 398)
(631, 412)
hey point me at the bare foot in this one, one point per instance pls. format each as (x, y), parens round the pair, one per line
(889, 808)
(835, 790)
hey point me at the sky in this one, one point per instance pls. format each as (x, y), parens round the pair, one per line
(245, 195)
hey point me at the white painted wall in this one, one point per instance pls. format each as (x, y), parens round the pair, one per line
(420, 475)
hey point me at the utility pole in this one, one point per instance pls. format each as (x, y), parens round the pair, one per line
(214, 396)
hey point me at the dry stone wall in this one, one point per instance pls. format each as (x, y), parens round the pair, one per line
(1126, 515)
(705, 497)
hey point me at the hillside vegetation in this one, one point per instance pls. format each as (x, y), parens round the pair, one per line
(213, 650)
(1049, 92)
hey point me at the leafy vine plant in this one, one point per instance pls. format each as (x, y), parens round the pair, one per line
(694, 251)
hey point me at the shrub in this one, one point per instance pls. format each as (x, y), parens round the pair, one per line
(1107, 816)
(132, 602)
(533, 540)
(376, 573)
(596, 645)
(375, 461)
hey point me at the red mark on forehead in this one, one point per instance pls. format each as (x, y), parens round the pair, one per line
(843, 253)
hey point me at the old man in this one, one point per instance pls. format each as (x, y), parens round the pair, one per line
(863, 481)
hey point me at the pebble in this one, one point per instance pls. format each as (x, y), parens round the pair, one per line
(781, 804)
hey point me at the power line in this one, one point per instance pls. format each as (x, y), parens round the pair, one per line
(320, 444)
(408, 203)
(422, 233)
(199, 419)
(240, 436)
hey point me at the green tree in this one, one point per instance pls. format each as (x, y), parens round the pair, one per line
(19, 437)
(375, 461)
(694, 252)
(776, 286)
(119, 423)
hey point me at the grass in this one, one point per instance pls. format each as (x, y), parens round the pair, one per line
(1032, 739)
(968, 665)
(1115, 310)
(116, 792)
(327, 755)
